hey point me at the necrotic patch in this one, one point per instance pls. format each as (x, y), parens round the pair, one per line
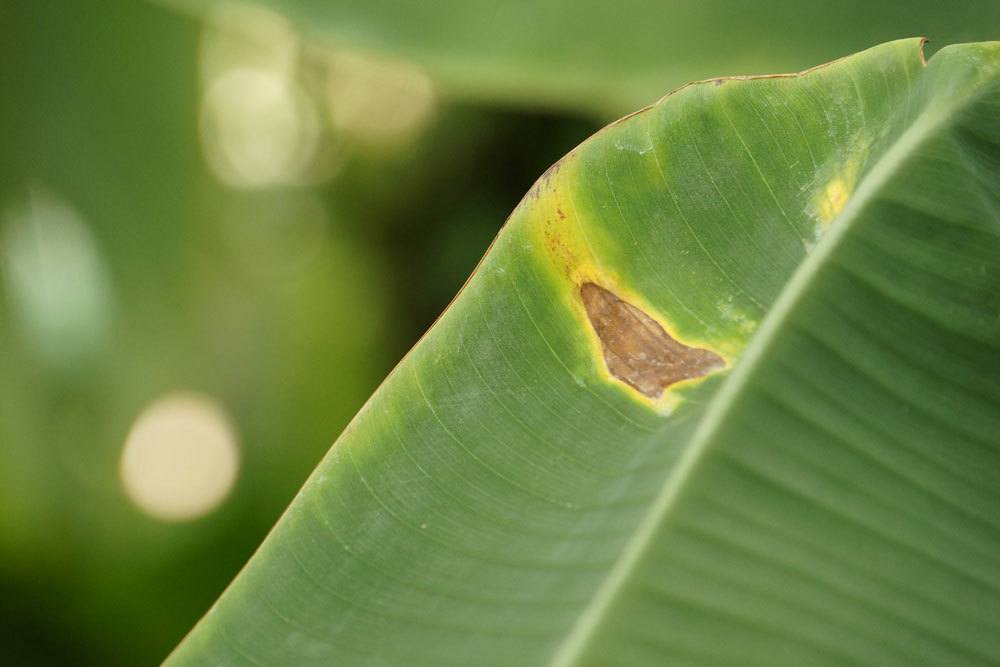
(637, 350)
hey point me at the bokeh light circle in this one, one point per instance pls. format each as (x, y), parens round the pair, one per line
(181, 458)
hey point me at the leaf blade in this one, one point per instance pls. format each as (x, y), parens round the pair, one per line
(474, 508)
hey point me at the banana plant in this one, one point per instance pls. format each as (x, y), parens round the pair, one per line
(725, 390)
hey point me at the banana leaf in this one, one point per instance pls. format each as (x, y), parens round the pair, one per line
(725, 390)
(607, 58)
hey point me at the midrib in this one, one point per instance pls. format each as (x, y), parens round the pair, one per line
(591, 618)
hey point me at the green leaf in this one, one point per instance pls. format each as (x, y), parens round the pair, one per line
(537, 483)
(612, 57)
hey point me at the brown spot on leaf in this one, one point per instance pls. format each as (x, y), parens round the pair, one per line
(557, 248)
(637, 350)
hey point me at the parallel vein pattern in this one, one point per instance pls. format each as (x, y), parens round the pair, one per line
(832, 499)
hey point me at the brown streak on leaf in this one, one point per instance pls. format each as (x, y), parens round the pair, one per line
(556, 245)
(637, 350)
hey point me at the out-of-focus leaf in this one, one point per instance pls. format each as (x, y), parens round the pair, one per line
(610, 57)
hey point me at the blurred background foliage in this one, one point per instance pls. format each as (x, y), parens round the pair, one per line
(229, 224)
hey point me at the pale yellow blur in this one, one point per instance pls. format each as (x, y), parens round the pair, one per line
(180, 459)
(259, 127)
(377, 101)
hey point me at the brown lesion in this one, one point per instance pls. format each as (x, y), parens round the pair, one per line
(637, 350)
